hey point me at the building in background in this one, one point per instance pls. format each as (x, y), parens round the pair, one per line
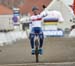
(25, 7)
(5, 18)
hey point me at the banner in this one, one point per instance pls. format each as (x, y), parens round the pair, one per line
(53, 33)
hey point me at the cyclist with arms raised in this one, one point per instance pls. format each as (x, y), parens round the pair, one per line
(36, 27)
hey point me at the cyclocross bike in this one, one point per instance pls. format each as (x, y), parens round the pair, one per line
(36, 41)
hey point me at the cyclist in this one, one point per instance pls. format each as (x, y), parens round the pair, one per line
(36, 27)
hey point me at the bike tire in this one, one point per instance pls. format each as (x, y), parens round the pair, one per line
(36, 51)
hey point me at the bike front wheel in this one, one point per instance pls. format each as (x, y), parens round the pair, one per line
(36, 51)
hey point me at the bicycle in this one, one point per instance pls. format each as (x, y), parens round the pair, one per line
(36, 45)
(36, 41)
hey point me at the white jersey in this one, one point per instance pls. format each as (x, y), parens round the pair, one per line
(36, 21)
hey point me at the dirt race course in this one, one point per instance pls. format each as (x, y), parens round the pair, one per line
(55, 50)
